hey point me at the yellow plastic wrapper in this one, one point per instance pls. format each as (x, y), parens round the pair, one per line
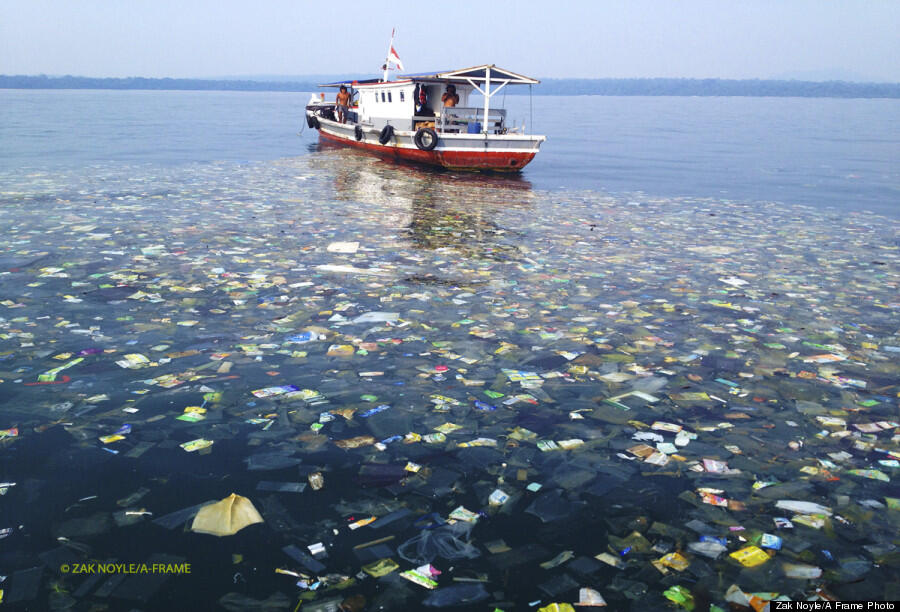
(750, 556)
(195, 445)
(557, 607)
(340, 350)
(380, 568)
(226, 517)
(447, 428)
(676, 561)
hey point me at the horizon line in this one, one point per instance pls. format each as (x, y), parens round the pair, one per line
(298, 78)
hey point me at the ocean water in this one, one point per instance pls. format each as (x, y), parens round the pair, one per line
(819, 152)
(671, 368)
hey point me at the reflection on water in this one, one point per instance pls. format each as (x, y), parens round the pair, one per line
(432, 175)
(438, 208)
(533, 393)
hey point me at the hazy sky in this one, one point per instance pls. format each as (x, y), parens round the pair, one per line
(817, 39)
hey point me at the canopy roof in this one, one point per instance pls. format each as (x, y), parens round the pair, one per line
(365, 81)
(475, 74)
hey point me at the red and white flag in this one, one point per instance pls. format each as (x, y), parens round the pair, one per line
(393, 57)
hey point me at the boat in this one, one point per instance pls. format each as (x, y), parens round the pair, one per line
(405, 118)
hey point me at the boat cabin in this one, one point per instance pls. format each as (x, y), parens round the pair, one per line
(413, 101)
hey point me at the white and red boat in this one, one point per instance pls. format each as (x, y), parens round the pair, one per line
(405, 119)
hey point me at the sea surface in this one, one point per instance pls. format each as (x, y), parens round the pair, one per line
(661, 364)
(820, 152)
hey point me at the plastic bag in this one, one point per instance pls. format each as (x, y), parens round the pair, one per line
(445, 542)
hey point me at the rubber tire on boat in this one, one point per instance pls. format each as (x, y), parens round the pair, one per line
(358, 133)
(420, 139)
(312, 121)
(387, 132)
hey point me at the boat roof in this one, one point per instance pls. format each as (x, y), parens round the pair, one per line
(352, 81)
(476, 74)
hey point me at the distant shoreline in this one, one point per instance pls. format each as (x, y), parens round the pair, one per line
(570, 87)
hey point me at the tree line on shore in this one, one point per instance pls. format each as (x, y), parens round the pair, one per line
(601, 87)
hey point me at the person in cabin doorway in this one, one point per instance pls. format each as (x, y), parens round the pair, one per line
(450, 97)
(341, 102)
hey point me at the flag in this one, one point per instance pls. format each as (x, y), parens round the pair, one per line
(393, 57)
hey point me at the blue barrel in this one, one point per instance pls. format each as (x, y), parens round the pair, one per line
(474, 128)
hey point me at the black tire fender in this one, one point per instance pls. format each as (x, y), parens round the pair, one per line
(426, 139)
(358, 133)
(387, 132)
(312, 121)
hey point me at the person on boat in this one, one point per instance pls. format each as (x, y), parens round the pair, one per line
(341, 102)
(450, 97)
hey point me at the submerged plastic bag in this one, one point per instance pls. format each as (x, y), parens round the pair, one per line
(457, 595)
(226, 517)
(236, 602)
(445, 542)
(270, 461)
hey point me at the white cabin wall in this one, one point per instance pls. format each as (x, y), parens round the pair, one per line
(464, 92)
(398, 112)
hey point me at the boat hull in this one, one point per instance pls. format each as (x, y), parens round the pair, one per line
(478, 152)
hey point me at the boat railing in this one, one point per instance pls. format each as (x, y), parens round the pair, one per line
(465, 120)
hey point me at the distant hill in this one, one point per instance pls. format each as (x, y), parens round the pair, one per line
(293, 78)
(720, 87)
(586, 87)
(76, 82)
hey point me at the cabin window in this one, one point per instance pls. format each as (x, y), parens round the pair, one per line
(389, 97)
(402, 97)
(382, 96)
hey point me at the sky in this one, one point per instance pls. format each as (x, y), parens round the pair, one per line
(804, 39)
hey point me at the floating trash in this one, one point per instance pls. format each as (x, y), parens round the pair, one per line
(226, 517)
(518, 399)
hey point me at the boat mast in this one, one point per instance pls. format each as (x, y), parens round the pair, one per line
(387, 58)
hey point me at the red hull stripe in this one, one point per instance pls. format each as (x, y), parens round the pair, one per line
(465, 160)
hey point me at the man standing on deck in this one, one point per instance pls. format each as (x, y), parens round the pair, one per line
(450, 97)
(341, 102)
